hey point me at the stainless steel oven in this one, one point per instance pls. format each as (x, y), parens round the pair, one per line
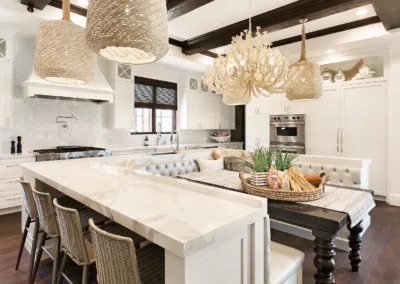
(287, 133)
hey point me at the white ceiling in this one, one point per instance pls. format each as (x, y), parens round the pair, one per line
(218, 14)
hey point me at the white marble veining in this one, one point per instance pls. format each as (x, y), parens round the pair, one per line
(178, 215)
(169, 146)
(356, 203)
(17, 156)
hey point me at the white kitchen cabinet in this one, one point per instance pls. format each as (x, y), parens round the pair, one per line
(258, 106)
(350, 121)
(5, 94)
(323, 124)
(199, 111)
(226, 115)
(279, 104)
(10, 189)
(364, 129)
(120, 114)
(257, 132)
(6, 43)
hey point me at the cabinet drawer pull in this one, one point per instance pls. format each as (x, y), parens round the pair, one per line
(341, 140)
(12, 166)
(337, 140)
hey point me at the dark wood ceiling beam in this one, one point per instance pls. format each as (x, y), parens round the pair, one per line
(177, 8)
(329, 31)
(271, 21)
(74, 8)
(389, 13)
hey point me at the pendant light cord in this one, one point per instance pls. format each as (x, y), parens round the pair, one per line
(303, 43)
(250, 18)
(66, 7)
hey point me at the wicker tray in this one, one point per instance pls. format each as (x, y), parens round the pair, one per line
(264, 191)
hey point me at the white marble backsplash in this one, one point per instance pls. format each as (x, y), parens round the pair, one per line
(35, 121)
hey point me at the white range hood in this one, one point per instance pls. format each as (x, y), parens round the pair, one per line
(97, 90)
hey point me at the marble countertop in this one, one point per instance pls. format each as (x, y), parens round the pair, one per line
(182, 146)
(17, 156)
(178, 215)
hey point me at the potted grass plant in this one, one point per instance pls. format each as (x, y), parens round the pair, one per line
(260, 161)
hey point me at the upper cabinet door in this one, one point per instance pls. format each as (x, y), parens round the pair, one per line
(5, 49)
(5, 94)
(323, 124)
(364, 133)
(258, 106)
(278, 104)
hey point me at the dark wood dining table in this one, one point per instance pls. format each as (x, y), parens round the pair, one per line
(324, 224)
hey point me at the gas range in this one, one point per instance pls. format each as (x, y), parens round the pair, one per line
(69, 152)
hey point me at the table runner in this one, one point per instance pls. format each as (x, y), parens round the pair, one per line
(356, 203)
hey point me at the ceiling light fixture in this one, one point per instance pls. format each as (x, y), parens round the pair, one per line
(362, 12)
(250, 67)
(62, 55)
(305, 79)
(126, 31)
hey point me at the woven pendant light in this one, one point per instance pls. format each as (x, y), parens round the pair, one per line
(126, 31)
(305, 77)
(62, 55)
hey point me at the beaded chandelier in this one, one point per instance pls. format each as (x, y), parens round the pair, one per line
(305, 79)
(126, 31)
(250, 67)
(62, 55)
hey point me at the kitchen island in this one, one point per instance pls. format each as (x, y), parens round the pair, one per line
(209, 235)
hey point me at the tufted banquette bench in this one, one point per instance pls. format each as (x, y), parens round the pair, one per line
(342, 171)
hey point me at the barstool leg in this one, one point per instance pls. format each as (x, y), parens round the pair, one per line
(85, 274)
(21, 247)
(38, 257)
(55, 263)
(33, 249)
(62, 268)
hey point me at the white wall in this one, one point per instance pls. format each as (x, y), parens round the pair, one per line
(394, 127)
(35, 119)
(157, 71)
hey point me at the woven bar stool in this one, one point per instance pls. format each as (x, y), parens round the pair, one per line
(76, 244)
(32, 217)
(49, 225)
(117, 261)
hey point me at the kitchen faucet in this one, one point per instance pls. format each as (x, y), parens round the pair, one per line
(176, 150)
(65, 124)
(159, 130)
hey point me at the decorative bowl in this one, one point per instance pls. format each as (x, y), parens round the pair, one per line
(221, 139)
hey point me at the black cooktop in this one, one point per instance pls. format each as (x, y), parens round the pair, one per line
(68, 149)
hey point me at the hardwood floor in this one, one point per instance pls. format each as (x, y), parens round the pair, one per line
(380, 252)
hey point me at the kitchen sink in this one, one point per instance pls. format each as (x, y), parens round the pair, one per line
(163, 153)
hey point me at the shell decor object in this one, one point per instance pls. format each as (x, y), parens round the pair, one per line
(327, 76)
(340, 77)
(365, 72)
(62, 55)
(304, 77)
(126, 31)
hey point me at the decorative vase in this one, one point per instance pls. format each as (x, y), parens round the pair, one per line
(340, 77)
(259, 179)
(327, 76)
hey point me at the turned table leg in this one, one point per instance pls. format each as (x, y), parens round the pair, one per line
(355, 245)
(324, 257)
